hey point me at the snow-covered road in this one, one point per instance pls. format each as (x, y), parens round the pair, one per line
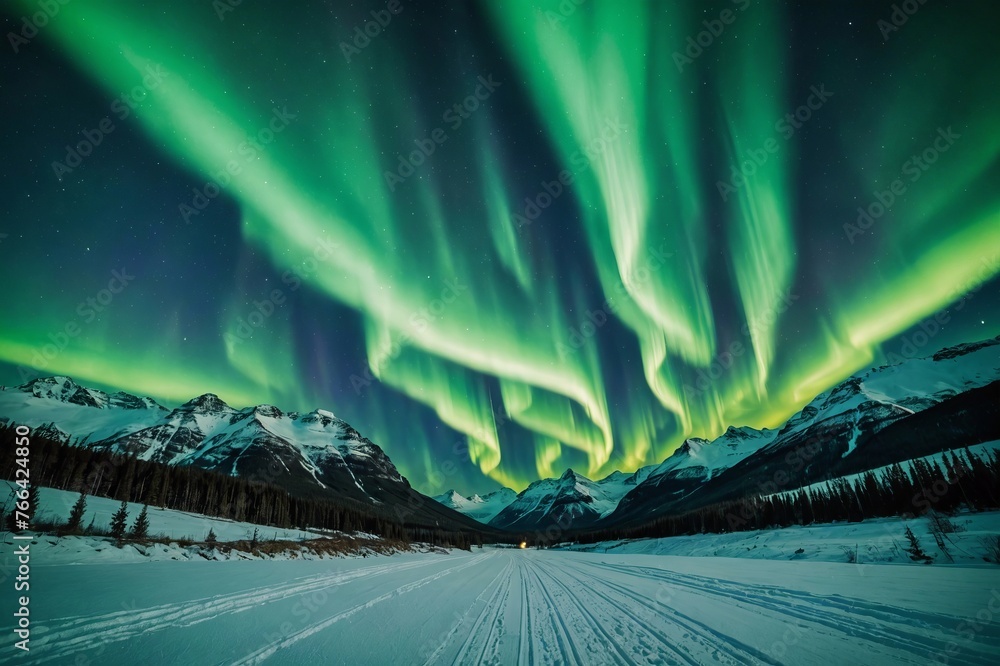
(512, 607)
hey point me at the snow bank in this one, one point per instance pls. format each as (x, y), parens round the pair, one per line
(167, 523)
(875, 541)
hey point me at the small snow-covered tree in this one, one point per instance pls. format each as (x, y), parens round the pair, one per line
(917, 553)
(76, 513)
(119, 522)
(140, 529)
(211, 538)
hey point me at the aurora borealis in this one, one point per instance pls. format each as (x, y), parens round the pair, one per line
(499, 238)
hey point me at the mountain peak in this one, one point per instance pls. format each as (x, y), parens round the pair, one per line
(66, 390)
(207, 402)
(265, 410)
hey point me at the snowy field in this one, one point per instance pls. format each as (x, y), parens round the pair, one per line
(875, 541)
(742, 598)
(506, 606)
(56, 504)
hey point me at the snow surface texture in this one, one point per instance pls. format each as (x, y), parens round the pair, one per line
(506, 606)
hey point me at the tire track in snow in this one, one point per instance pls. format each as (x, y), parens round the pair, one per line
(497, 598)
(261, 654)
(623, 615)
(77, 633)
(759, 591)
(562, 631)
(907, 630)
(595, 626)
(546, 644)
(493, 613)
(714, 642)
(525, 648)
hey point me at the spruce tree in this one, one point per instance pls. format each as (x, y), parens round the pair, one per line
(140, 529)
(211, 538)
(76, 514)
(119, 522)
(916, 552)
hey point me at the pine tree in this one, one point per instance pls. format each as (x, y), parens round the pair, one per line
(140, 529)
(916, 552)
(76, 514)
(119, 522)
(211, 538)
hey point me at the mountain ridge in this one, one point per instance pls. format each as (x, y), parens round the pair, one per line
(850, 414)
(312, 454)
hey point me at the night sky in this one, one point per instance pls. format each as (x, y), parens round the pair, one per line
(498, 238)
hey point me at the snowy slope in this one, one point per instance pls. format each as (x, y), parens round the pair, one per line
(311, 454)
(56, 505)
(513, 607)
(829, 430)
(876, 541)
(482, 508)
(315, 450)
(872, 399)
(77, 411)
(700, 459)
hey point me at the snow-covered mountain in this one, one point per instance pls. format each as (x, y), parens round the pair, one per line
(572, 500)
(847, 428)
(315, 449)
(308, 454)
(482, 508)
(850, 427)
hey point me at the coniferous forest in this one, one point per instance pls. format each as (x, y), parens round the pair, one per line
(962, 481)
(101, 473)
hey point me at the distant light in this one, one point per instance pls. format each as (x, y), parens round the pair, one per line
(524, 544)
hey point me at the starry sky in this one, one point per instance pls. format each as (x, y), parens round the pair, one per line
(499, 238)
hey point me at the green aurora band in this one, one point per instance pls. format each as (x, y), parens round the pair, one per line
(470, 314)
